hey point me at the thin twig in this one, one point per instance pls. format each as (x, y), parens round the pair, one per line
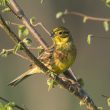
(40, 24)
(87, 16)
(7, 101)
(23, 57)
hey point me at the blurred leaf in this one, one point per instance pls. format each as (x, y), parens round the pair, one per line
(106, 25)
(85, 19)
(6, 10)
(4, 53)
(100, 108)
(89, 39)
(108, 101)
(40, 50)
(107, 2)
(27, 41)
(66, 11)
(17, 48)
(50, 84)
(2, 106)
(3, 2)
(82, 103)
(9, 106)
(81, 81)
(22, 31)
(41, 1)
(59, 14)
(32, 20)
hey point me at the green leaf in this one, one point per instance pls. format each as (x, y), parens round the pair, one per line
(9, 106)
(81, 81)
(89, 39)
(108, 101)
(40, 50)
(100, 108)
(59, 15)
(3, 2)
(17, 48)
(2, 106)
(22, 31)
(51, 82)
(27, 41)
(106, 25)
(107, 3)
(6, 10)
(4, 53)
(85, 19)
(32, 20)
(82, 103)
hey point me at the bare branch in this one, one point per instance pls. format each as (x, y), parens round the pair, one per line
(92, 18)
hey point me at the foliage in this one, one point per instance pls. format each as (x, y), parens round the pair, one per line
(7, 106)
(106, 25)
(107, 2)
(3, 2)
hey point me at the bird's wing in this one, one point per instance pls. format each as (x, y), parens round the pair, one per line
(47, 56)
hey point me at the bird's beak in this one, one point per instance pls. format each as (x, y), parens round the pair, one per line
(52, 34)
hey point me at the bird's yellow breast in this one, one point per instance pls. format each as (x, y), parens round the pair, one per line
(63, 59)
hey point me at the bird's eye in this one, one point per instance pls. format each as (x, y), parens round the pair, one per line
(60, 33)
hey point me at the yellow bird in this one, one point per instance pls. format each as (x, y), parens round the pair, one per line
(58, 58)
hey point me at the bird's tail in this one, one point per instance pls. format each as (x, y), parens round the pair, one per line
(24, 75)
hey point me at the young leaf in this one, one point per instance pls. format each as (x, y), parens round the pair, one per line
(27, 41)
(85, 19)
(3, 2)
(32, 20)
(2, 106)
(106, 25)
(108, 101)
(22, 31)
(4, 53)
(50, 83)
(100, 108)
(89, 39)
(17, 48)
(81, 81)
(6, 10)
(107, 3)
(59, 15)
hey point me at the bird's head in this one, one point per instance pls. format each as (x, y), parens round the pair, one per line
(61, 35)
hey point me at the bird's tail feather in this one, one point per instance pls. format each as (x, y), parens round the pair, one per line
(20, 78)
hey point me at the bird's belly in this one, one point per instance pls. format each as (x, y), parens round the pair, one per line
(63, 64)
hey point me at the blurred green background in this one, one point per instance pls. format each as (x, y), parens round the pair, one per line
(92, 63)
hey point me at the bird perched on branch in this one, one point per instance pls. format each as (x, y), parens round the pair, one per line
(58, 58)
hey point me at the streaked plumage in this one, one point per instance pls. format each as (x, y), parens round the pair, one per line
(57, 58)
